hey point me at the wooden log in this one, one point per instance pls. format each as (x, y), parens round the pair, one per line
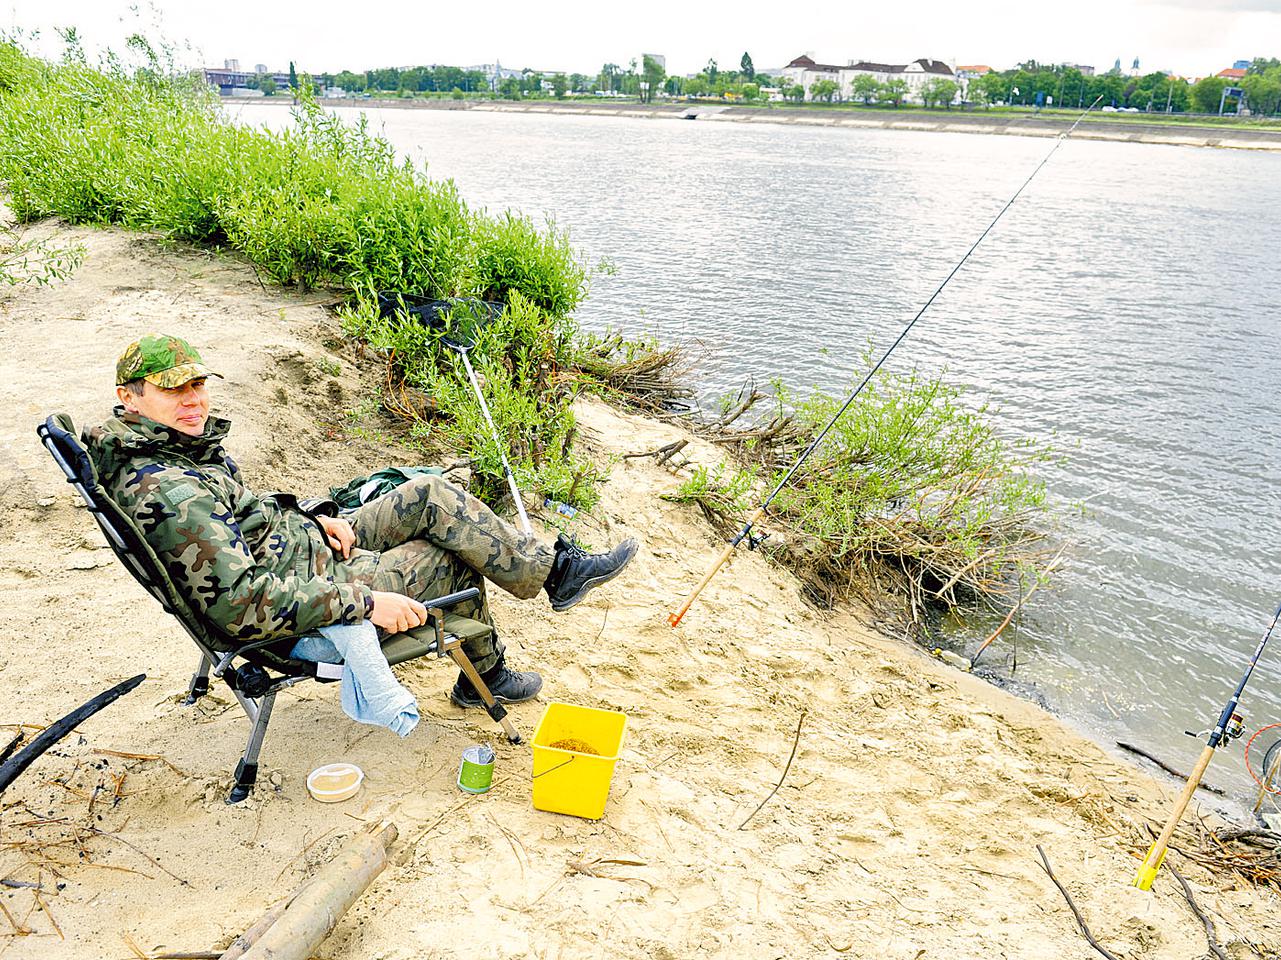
(317, 906)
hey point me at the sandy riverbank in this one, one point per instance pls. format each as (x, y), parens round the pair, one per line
(905, 829)
(1191, 134)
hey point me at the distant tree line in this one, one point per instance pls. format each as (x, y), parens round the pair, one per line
(1032, 83)
(1027, 84)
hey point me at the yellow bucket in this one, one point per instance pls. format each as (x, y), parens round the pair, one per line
(575, 750)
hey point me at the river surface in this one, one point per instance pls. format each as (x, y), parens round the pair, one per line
(1127, 308)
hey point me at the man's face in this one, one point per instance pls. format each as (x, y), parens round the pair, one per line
(184, 408)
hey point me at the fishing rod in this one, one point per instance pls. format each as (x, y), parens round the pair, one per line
(746, 531)
(1228, 727)
(442, 316)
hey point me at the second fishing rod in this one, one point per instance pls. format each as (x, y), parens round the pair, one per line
(745, 533)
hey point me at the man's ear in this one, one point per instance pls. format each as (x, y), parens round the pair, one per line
(126, 399)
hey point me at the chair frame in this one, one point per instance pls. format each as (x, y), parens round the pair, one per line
(255, 672)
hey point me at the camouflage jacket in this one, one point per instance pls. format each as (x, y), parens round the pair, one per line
(257, 567)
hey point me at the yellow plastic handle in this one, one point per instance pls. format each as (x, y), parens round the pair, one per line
(1147, 870)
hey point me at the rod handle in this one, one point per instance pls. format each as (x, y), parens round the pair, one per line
(679, 614)
(1152, 862)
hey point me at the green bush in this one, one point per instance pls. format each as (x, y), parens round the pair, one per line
(910, 483)
(320, 202)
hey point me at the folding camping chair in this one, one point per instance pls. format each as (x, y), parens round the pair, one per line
(255, 672)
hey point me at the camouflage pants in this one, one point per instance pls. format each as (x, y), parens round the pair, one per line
(435, 538)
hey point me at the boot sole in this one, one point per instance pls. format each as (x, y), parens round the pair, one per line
(595, 582)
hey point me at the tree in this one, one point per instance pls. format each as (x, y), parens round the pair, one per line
(865, 87)
(1206, 94)
(824, 90)
(794, 91)
(350, 81)
(1263, 91)
(711, 70)
(697, 86)
(653, 73)
(578, 83)
(609, 77)
(559, 85)
(750, 91)
(509, 89)
(293, 76)
(990, 88)
(893, 91)
(938, 91)
(745, 65)
(267, 84)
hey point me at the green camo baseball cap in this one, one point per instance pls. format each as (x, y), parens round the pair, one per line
(165, 361)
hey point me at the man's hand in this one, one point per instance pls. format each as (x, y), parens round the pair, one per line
(396, 612)
(340, 535)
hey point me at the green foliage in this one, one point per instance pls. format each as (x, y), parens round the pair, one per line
(320, 201)
(825, 90)
(866, 87)
(516, 356)
(938, 92)
(909, 480)
(24, 260)
(1206, 94)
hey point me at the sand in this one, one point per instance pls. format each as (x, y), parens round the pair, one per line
(905, 828)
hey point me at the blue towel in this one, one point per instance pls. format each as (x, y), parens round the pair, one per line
(370, 692)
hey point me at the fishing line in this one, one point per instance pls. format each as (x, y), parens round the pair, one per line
(745, 533)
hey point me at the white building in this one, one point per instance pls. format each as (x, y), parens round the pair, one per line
(805, 71)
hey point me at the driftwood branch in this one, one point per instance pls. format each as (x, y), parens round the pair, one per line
(14, 766)
(1167, 768)
(315, 908)
(665, 452)
(1080, 920)
(790, 757)
(1209, 924)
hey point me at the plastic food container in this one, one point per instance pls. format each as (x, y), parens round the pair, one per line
(575, 752)
(334, 782)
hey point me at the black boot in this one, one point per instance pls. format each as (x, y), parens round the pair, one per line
(575, 571)
(507, 686)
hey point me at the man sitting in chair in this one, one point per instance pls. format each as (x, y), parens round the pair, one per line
(264, 567)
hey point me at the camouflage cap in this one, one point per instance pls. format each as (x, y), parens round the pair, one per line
(165, 361)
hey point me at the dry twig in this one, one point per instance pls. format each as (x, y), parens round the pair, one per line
(1209, 925)
(1080, 920)
(790, 757)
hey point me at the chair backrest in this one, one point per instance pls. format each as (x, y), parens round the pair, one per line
(57, 434)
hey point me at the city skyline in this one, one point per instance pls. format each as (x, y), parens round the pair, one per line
(1186, 37)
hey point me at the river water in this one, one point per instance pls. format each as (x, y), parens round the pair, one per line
(1128, 309)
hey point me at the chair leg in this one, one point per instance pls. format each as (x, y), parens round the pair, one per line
(496, 711)
(199, 682)
(247, 768)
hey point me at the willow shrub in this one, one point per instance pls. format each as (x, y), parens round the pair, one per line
(515, 357)
(911, 482)
(320, 202)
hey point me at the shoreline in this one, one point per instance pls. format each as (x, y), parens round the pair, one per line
(1227, 137)
(914, 805)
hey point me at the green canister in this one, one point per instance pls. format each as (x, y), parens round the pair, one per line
(476, 772)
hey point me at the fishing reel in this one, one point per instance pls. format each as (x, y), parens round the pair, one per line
(1233, 731)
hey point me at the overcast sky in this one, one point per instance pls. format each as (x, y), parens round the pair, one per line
(1188, 37)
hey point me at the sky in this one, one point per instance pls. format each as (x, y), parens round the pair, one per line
(1188, 37)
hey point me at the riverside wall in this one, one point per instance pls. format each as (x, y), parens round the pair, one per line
(1190, 134)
